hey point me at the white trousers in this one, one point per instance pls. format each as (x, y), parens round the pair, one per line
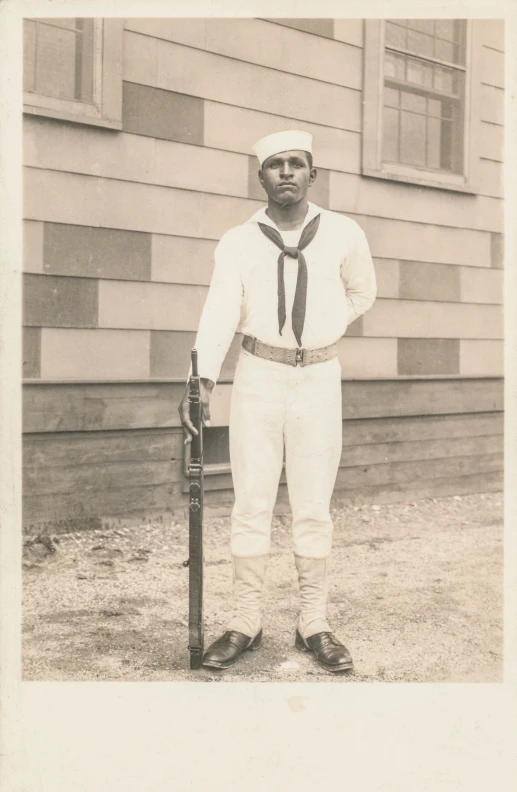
(277, 408)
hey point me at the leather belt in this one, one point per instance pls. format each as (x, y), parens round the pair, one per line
(291, 357)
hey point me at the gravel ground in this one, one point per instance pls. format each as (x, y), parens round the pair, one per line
(416, 595)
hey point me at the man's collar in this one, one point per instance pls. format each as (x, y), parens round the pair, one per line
(260, 216)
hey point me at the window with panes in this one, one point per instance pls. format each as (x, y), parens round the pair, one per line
(423, 112)
(72, 69)
(59, 58)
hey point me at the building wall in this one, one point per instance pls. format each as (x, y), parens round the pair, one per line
(120, 228)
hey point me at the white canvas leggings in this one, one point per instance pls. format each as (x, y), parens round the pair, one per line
(276, 406)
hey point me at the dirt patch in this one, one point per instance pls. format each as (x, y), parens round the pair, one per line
(416, 595)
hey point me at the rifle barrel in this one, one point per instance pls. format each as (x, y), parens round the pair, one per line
(195, 372)
(195, 474)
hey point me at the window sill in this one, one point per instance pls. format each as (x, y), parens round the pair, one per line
(422, 178)
(77, 116)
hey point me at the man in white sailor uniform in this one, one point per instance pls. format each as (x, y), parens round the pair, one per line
(291, 279)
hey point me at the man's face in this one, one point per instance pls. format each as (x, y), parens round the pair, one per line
(286, 177)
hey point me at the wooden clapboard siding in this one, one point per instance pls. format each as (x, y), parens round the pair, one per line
(491, 142)
(219, 503)
(99, 406)
(237, 129)
(136, 158)
(318, 27)
(90, 473)
(92, 478)
(32, 246)
(31, 354)
(492, 67)
(385, 398)
(404, 472)
(216, 171)
(95, 407)
(387, 276)
(94, 354)
(392, 453)
(448, 439)
(173, 67)
(417, 280)
(396, 239)
(162, 162)
(349, 30)
(110, 203)
(393, 473)
(154, 306)
(428, 356)
(90, 252)
(80, 354)
(162, 114)
(355, 328)
(392, 432)
(492, 104)
(493, 33)
(417, 488)
(94, 201)
(447, 454)
(423, 281)
(113, 254)
(92, 406)
(359, 357)
(59, 302)
(497, 250)
(83, 509)
(182, 259)
(398, 439)
(491, 178)
(89, 150)
(366, 357)
(482, 358)
(394, 200)
(64, 449)
(481, 285)
(421, 319)
(129, 157)
(258, 41)
(375, 454)
(170, 354)
(357, 431)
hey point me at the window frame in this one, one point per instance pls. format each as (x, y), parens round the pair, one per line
(372, 164)
(106, 108)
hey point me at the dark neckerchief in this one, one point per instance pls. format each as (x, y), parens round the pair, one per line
(300, 295)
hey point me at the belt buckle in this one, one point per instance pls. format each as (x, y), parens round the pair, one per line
(298, 358)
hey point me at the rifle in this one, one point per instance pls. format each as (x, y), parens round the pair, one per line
(195, 560)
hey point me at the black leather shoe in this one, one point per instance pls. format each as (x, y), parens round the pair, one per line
(227, 649)
(328, 651)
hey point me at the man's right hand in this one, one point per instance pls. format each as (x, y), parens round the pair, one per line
(206, 387)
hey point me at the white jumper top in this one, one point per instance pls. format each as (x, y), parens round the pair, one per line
(243, 291)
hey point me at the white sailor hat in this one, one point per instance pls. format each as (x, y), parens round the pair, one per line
(291, 140)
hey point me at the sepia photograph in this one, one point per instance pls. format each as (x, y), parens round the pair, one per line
(263, 349)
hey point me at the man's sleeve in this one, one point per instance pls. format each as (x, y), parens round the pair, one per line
(221, 313)
(358, 275)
